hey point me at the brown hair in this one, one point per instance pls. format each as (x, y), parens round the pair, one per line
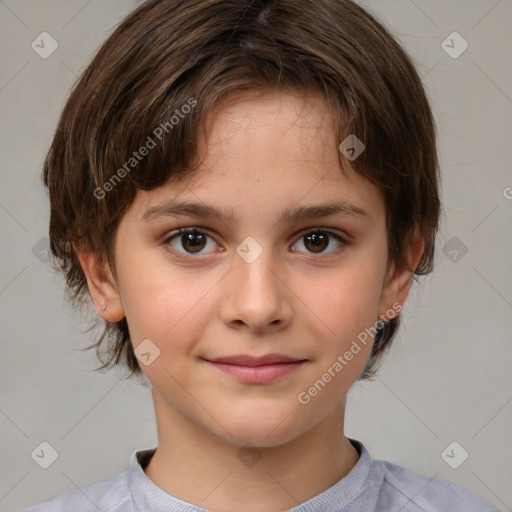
(170, 53)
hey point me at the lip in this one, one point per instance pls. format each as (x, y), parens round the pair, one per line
(257, 370)
(247, 360)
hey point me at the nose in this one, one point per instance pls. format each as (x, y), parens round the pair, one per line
(255, 296)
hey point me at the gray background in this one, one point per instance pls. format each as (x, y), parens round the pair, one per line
(447, 377)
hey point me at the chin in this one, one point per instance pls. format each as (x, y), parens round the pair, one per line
(251, 429)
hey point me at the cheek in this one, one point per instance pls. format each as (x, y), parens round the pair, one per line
(161, 300)
(346, 301)
(343, 314)
(173, 314)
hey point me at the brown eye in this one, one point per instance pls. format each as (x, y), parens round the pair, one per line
(316, 242)
(193, 242)
(189, 241)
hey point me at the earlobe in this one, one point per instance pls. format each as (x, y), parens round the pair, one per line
(102, 286)
(398, 279)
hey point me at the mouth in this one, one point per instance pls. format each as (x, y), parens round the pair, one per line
(257, 370)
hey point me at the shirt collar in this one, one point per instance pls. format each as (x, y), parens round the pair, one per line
(146, 495)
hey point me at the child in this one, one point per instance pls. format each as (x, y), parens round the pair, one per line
(246, 190)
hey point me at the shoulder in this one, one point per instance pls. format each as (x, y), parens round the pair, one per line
(109, 496)
(419, 493)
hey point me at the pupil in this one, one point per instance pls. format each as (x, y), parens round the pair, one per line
(196, 244)
(318, 241)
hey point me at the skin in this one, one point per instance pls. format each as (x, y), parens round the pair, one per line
(262, 153)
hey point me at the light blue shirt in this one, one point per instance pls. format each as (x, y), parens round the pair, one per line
(371, 486)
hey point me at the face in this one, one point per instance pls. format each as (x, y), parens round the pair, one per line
(275, 272)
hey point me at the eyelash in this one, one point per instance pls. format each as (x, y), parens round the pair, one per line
(184, 231)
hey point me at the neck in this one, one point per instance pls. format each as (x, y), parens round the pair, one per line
(197, 467)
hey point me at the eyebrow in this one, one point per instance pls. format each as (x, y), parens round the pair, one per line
(204, 211)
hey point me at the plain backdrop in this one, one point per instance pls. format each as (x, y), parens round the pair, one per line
(446, 379)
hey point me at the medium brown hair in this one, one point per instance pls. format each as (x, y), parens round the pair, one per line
(170, 53)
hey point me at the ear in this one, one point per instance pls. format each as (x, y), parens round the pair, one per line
(398, 280)
(102, 286)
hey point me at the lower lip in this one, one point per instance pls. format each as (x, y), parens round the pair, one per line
(258, 374)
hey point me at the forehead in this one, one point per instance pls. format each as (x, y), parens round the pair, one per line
(300, 126)
(268, 150)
